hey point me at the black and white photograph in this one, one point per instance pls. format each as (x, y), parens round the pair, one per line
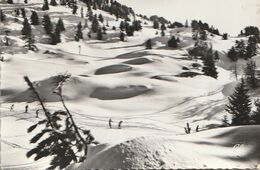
(129, 84)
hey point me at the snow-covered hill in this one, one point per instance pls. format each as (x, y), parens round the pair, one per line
(146, 89)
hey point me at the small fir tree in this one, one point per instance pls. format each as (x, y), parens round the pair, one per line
(79, 34)
(95, 25)
(209, 68)
(2, 16)
(101, 18)
(45, 5)
(60, 24)
(155, 24)
(10, 1)
(250, 74)
(173, 43)
(148, 44)
(30, 43)
(232, 54)
(99, 34)
(239, 105)
(216, 55)
(34, 18)
(47, 24)
(53, 3)
(203, 35)
(26, 30)
(122, 36)
(23, 12)
(256, 114)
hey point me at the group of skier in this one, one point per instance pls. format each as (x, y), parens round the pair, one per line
(37, 115)
(25, 111)
(110, 124)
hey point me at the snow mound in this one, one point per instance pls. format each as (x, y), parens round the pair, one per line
(235, 147)
(165, 78)
(113, 69)
(122, 92)
(73, 89)
(139, 61)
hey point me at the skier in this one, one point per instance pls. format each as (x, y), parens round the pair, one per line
(26, 108)
(119, 124)
(110, 123)
(37, 113)
(12, 108)
(197, 128)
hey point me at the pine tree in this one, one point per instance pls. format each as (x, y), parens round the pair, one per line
(55, 36)
(216, 55)
(148, 44)
(53, 3)
(240, 49)
(79, 34)
(203, 35)
(251, 48)
(163, 27)
(162, 33)
(26, 30)
(99, 34)
(30, 43)
(250, 74)
(23, 12)
(60, 24)
(225, 36)
(74, 9)
(100, 17)
(155, 24)
(232, 54)
(17, 12)
(173, 43)
(137, 25)
(122, 25)
(129, 29)
(186, 24)
(2, 16)
(104, 30)
(225, 122)
(122, 36)
(47, 24)
(209, 68)
(34, 18)
(239, 105)
(45, 5)
(95, 25)
(89, 14)
(256, 114)
(81, 12)
(94, 6)
(194, 34)
(10, 1)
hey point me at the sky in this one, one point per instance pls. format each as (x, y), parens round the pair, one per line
(228, 15)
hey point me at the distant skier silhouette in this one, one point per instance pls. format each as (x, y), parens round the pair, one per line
(26, 109)
(37, 113)
(197, 128)
(110, 123)
(12, 108)
(119, 124)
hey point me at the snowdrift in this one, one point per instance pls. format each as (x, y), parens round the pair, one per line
(236, 147)
(118, 92)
